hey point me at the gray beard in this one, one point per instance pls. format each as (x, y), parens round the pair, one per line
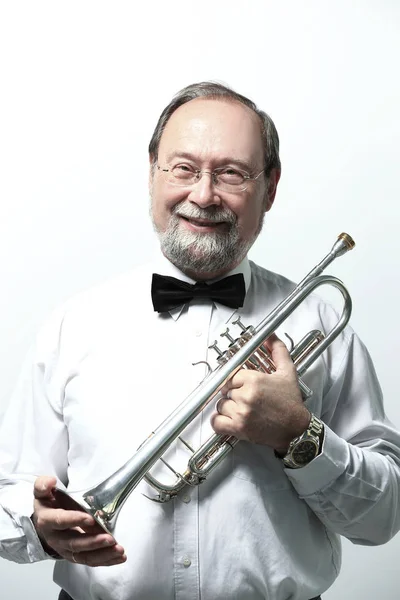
(204, 253)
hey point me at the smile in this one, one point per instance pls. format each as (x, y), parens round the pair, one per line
(201, 224)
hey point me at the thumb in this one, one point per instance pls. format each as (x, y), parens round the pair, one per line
(279, 354)
(43, 487)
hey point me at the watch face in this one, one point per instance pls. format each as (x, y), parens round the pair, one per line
(304, 452)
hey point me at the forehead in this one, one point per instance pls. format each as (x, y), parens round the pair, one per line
(212, 129)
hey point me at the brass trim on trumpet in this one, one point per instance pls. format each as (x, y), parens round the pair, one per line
(348, 240)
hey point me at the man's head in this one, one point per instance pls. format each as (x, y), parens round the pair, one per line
(207, 221)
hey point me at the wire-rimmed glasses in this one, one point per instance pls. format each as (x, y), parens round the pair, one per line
(227, 179)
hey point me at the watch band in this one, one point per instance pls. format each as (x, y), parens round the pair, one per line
(305, 447)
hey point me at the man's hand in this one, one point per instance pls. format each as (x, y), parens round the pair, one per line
(263, 408)
(74, 535)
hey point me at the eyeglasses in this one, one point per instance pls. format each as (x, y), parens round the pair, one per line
(226, 179)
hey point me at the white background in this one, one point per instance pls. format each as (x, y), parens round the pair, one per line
(83, 84)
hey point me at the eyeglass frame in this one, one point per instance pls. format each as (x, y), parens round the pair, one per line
(199, 172)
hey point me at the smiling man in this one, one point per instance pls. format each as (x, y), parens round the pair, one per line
(115, 361)
(209, 203)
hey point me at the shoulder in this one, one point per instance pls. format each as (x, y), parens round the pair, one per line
(99, 309)
(114, 293)
(263, 278)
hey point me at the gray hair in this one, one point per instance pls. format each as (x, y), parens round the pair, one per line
(213, 91)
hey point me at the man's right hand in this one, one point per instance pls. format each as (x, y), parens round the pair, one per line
(72, 534)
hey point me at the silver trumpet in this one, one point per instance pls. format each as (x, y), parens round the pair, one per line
(248, 351)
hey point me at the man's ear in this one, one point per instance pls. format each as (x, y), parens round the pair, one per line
(273, 180)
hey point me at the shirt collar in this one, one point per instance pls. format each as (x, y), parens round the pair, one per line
(164, 267)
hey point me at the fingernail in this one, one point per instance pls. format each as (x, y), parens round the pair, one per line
(87, 522)
(108, 543)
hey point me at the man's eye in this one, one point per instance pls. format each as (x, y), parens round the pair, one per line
(183, 171)
(231, 175)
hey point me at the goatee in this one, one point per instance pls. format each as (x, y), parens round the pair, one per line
(208, 252)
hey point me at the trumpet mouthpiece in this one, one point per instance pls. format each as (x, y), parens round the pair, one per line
(348, 240)
(343, 244)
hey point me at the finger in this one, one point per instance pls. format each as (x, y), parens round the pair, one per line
(115, 555)
(235, 382)
(280, 354)
(43, 487)
(50, 519)
(73, 541)
(226, 407)
(221, 424)
(223, 406)
(220, 402)
(93, 528)
(68, 519)
(238, 380)
(117, 561)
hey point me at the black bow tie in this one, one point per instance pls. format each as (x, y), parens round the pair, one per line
(168, 293)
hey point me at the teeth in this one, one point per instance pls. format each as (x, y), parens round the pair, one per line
(194, 221)
(202, 223)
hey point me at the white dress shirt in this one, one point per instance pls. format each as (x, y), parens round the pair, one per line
(107, 370)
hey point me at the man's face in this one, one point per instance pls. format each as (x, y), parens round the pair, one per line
(203, 230)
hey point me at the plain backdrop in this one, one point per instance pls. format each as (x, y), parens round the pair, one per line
(82, 85)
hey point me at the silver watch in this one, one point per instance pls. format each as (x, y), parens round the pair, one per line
(305, 447)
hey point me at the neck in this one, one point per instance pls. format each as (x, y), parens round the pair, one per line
(205, 275)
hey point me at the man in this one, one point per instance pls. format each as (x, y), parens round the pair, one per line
(109, 368)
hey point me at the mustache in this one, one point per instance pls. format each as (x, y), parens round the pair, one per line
(210, 213)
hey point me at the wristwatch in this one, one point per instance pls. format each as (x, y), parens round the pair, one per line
(305, 447)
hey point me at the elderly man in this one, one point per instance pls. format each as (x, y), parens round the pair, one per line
(115, 361)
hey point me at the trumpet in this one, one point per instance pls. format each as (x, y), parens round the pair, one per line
(104, 501)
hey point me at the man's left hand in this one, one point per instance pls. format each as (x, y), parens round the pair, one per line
(263, 408)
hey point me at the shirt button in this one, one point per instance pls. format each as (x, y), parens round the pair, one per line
(198, 333)
(186, 498)
(186, 561)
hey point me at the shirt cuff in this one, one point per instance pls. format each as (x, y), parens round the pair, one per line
(323, 469)
(19, 539)
(34, 546)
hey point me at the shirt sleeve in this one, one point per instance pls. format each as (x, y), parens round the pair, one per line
(33, 442)
(353, 485)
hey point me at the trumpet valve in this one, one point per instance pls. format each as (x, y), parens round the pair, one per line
(239, 323)
(222, 357)
(216, 349)
(228, 336)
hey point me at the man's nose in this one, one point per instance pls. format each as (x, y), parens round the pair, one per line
(204, 193)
